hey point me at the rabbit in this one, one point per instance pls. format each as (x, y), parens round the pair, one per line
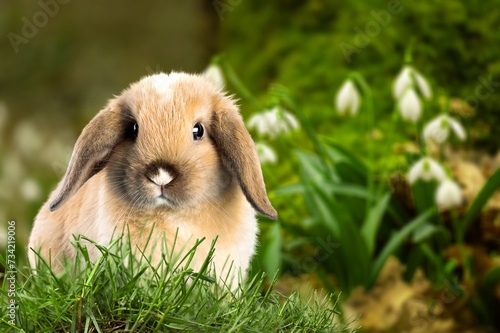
(172, 152)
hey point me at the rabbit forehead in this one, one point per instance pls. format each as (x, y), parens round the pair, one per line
(173, 98)
(166, 107)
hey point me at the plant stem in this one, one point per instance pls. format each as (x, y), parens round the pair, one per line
(368, 102)
(409, 52)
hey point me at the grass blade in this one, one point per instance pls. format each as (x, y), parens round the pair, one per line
(149, 301)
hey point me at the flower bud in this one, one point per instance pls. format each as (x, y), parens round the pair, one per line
(438, 129)
(409, 106)
(426, 169)
(448, 195)
(273, 122)
(409, 78)
(348, 99)
(266, 153)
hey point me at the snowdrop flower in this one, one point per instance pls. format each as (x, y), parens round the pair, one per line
(214, 74)
(409, 106)
(448, 194)
(426, 169)
(27, 138)
(348, 99)
(407, 79)
(273, 122)
(30, 190)
(266, 153)
(438, 129)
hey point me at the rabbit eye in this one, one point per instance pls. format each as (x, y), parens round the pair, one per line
(198, 131)
(132, 130)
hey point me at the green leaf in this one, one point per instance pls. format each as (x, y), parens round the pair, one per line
(271, 252)
(492, 279)
(370, 226)
(326, 216)
(429, 230)
(424, 194)
(492, 185)
(395, 242)
(450, 266)
(312, 166)
(350, 262)
(438, 274)
(290, 189)
(339, 153)
(356, 191)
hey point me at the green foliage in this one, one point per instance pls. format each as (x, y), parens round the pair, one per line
(340, 206)
(482, 198)
(454, 45)
(353, 223)
(119, 292)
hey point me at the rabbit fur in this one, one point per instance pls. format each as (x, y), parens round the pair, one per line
(141, 162)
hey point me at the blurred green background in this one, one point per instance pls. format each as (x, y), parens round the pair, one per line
(57, 70)
(87, 52)
(58, 80)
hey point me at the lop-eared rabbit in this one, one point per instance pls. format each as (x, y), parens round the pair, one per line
(171, 151)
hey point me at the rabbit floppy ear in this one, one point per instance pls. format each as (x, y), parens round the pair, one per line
(239, 157)
(91, 152)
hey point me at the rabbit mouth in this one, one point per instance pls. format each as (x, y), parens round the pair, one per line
(163, 200)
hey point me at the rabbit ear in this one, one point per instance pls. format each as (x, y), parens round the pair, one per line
(239, 157)
(91, 152)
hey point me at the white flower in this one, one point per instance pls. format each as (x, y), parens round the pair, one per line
(426, 169)
(438, 129)
(273, 122)
(30, 190)
(27, 139)
(402, 83)
(348, 99)
(290, 120)
(214, 74)
(266, 153)
(409, 106)
(448, 194)
(425, 88)
(408, 78)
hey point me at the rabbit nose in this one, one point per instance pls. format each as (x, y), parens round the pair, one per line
(161, 178)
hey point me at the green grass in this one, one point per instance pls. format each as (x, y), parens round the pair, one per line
(122, 293)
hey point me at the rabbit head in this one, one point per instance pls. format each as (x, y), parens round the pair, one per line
(168, 142)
